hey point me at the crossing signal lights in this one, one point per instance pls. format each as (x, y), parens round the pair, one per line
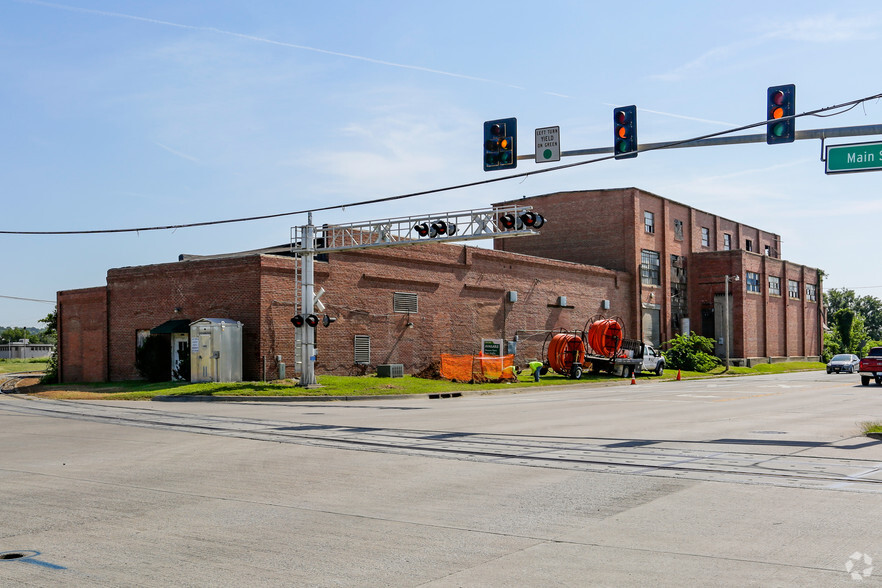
(500, 144)
(436, 228)
(781, 104)
(309, 320)
(529, 219)
(625, 129)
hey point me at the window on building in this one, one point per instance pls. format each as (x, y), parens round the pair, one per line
(405, 302)
(811, 292)
(768, 250)
(793, 289)
(649, 221)
(727, 241)
(748, 245)
(774, 285)
(362, 349)
(705, 237)
(650, 265)
(752, 282)
(678, 229)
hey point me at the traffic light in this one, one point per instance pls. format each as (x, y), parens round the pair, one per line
(299, 320)
(422, 229)
(500, 144)
(327, 320)
(529, 219)
(533, 220)
(508, 221)
(439, 228)
(781, 103)
(625, 129)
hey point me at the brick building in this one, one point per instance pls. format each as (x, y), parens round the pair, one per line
(452, 296)
(679, 256)
(655, 263)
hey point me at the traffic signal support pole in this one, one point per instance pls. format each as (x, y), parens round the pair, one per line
(307, 304)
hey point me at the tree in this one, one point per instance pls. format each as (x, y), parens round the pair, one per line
(13, 334)
(50, 376)
(867, 307)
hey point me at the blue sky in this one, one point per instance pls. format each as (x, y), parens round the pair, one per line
(136, 114)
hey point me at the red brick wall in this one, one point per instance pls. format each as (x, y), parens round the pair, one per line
(461, 296)
(82, 335)
(763, 325)
(147, 296)
(594, 227)
(461, 299)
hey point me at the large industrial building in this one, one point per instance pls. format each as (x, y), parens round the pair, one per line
(658, 265)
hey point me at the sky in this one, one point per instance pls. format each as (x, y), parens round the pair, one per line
(127, 114)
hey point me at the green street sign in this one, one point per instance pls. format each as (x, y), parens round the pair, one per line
(854, 157)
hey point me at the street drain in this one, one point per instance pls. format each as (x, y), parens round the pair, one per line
(12, 555)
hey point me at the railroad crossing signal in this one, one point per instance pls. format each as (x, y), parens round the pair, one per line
(625, 129)
(500, 144)
(780, 103)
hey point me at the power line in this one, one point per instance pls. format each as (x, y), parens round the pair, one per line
(654, 147)
(27, 299)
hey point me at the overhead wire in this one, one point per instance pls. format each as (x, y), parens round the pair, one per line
(851, 104)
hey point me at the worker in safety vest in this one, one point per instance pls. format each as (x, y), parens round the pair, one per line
(536, 366)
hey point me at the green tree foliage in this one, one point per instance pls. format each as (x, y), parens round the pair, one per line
(869, 308)
(153, 359)
(843, 320)
(50, 376)
(692, 353)
(13, 334)
(831, 347)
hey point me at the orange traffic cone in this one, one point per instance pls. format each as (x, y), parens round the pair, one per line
(633, 380)
(678, 375)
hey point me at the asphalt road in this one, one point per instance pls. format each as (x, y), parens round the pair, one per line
(760, 481)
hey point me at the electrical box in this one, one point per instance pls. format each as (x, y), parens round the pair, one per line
(215, 350)
(390, 370)
(604, 304)
(512, 296)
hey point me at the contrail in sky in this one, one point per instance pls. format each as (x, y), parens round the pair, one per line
(266, 41)
(262, 40)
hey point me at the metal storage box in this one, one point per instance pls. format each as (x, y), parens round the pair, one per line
(215, 350)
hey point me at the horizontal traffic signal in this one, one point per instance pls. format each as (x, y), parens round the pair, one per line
(310, 320)
(529, 219)
(436, 228)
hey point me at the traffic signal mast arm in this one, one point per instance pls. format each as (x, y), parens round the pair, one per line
(715, 141)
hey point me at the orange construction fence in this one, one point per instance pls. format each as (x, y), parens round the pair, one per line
(477, 368)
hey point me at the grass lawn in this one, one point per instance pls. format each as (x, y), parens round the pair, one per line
(368, 385)
(8, 366)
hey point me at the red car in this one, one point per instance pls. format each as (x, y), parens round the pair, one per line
(871, 367)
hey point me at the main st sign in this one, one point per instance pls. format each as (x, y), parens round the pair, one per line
(854, 157)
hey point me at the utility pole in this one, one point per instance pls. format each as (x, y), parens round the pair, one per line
(307, 303)
(726, 315)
